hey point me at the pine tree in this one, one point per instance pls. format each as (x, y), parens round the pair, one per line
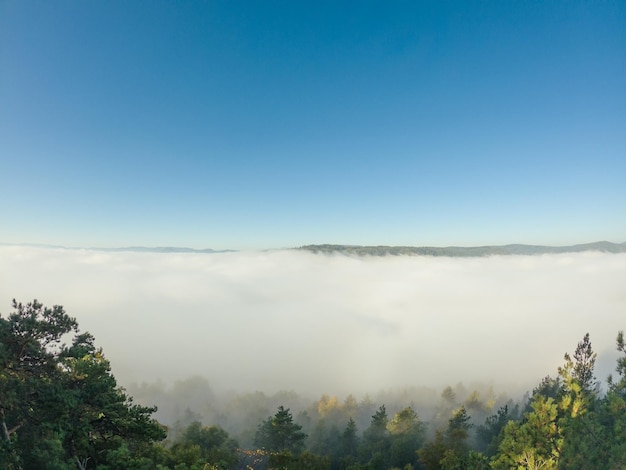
(279, 433)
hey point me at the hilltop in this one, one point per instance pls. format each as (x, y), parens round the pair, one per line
(460, 251)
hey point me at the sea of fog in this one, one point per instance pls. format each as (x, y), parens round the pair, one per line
(291, 320)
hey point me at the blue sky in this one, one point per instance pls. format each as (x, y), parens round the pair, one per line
(254, 124)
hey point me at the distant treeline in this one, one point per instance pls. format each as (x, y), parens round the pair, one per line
(460, 251)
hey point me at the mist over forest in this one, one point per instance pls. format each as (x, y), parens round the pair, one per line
(314, 324)
(225, 339)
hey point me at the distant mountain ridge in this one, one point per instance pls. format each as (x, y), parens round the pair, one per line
(162, 249)
(379, 250)
(460, 251)
(134, 249)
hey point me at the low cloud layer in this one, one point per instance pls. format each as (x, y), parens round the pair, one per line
(316, 323)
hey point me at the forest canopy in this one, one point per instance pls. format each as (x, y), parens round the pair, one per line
(61, 408)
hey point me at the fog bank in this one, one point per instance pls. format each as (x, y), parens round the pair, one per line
(328, 323)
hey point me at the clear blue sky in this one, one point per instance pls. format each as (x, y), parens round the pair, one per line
(261, 124)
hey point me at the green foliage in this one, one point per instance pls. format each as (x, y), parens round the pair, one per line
(585, 360)
(124, 457)
(458, 431)
(534, 443)
(350, 440)
(547, 388)
(431, 454)
(613, 416)
(568, 425)
(583, 435)
(474, 404)
(204, 445)
(60, 407)
(562, 429)
(326, 441)
(305, 461)
(490, 434)
(188, 455)
(279, 433)
(450, 449)
(477, 461)
(376, 443)
(407, 436)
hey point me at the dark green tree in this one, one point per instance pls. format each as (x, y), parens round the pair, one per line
(450, 449)
(548, 388)
(489, 434)
(559, 427)
(579, 405)
(458, 431)
(614, 412)
(376, 442)
(407, 436)
(568, 425)
(325, 441)
(60, 407)
(350, 439)
(584, 364)
(431, 455)
(213, 444)
(279, 433)
(533, 443)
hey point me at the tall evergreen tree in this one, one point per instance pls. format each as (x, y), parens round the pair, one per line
(614, 412)
(407, 436)
(350, 439)
(579, 404)
(376, 443)
(279, 433)
(536, 442)
(584, 364)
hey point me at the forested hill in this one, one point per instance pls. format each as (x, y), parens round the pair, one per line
(382, 250)
(461, 251)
